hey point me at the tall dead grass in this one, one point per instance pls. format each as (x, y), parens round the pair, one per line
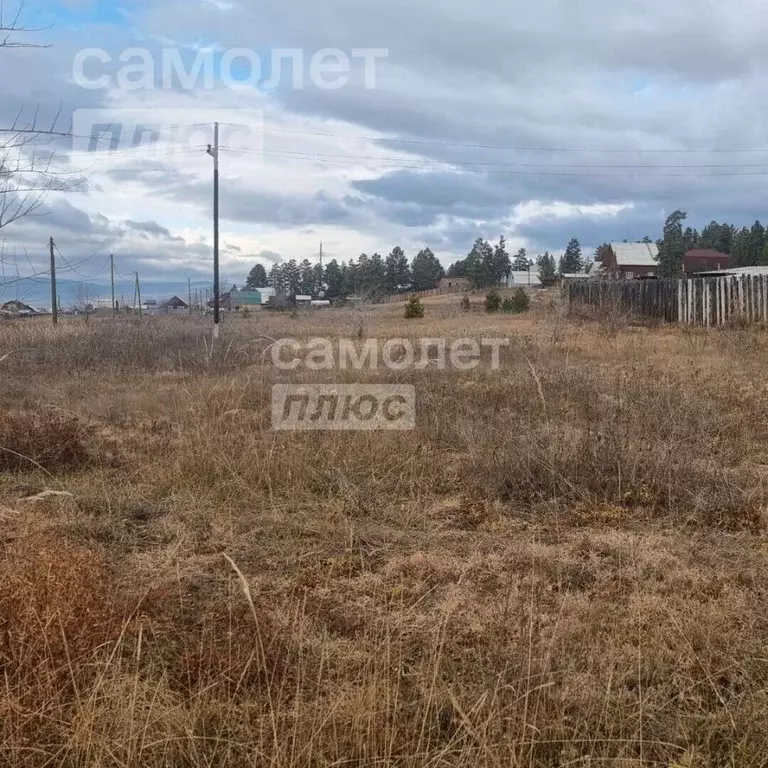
(564, 564)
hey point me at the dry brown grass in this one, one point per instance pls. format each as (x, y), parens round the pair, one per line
(565, 564)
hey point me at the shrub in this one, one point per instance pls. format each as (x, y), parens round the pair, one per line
(414, 309)
(493, 302)
(466, 304)
(508, 306)
(53, 439)
(521, 301)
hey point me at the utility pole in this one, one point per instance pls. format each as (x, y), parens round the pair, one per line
(213, 151)
(112, 275)
(138, 293)
(189, 289)
(54, 296)
(321, 254)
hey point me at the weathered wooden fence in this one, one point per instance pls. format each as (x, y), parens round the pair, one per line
(707, 302)
(398, 297)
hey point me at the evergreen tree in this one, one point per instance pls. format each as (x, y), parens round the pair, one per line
(292, 273)
(334, 280)
(501, 265)
(458, 268)
(397, 271)
(521, 262)
(672, 245)
(740, 252)
(547, 269)
(691, 239)
(426, 271)
(602, 253)
(349, 272)
(756, 244)
(317, 280)
(479, 264)
(257, 278)
(277, 279)
(571, 262)
(306, 278)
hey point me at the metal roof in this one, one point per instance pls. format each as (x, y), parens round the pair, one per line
(735, 272)
(636, 254)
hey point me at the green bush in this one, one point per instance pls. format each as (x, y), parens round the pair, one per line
(414, 309)
(493, 302)
(521, 301)
(466, 304)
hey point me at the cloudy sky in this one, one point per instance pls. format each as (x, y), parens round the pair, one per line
(537, 120)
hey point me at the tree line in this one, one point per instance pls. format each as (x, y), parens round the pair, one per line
(746, 247)
(486, 265)
(366, 276)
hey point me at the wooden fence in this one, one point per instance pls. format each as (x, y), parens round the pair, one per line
(398, 297)
(706, 302)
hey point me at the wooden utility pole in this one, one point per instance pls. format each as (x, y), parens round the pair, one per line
(54, 296)
(138, 293)
(213, 151)
(112, 276)
(189, 289)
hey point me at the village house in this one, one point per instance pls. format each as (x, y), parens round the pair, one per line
(705, 260)
(626, 261)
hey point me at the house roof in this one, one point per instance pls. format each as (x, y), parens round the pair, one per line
(16, 306)
(706, 254)
(636, 254)
(175, 301)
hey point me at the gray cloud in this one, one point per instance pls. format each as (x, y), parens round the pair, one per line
(606, 76)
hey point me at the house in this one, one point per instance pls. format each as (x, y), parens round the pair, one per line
(173, 306)
(17, 307)
(705, 260)
(250, 299)
(528, 277)
(626, 261)
(245, 300)
(457, 284)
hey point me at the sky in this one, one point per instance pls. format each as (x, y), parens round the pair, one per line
(419, 123)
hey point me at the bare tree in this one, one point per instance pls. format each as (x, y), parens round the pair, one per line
(28, 169)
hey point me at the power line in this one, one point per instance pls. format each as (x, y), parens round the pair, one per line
(319, 156)
(506, 147)
(492, 168)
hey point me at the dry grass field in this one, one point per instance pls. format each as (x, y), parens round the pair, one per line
(565, 564)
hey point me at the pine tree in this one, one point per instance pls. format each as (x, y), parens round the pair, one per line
(602, 253)
(306, 278)
(397, 271)
(521, 262)
(547, 269)
(672, 245)
(571, 261)
(257, 278)
(334, 280)
(479, 264)
(426, 271)
(292, 272)
(501, 265)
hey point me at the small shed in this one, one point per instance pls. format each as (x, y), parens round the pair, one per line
(457, 284)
